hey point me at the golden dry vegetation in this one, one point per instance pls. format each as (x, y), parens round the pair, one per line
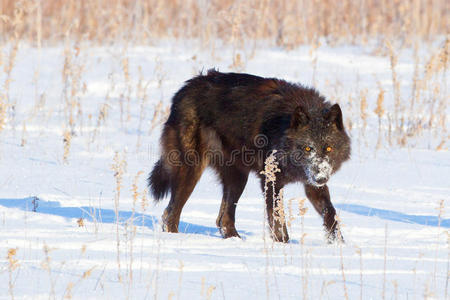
(286, 23)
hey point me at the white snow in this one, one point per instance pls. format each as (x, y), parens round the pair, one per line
(397, 239)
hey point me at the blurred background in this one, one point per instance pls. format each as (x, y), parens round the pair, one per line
(285, 23)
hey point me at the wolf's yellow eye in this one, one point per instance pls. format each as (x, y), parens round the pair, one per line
(329, 149)
(307, 149)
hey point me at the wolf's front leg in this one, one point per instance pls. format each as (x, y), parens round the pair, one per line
(275, 213)
(320, 199)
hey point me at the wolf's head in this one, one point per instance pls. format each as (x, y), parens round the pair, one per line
(318, 142)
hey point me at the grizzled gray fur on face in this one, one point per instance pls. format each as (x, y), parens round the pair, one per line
(322, 144)
(232, 122)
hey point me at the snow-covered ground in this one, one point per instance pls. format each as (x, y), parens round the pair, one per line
(60, 215)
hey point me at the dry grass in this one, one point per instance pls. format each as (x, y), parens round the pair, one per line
(13, 264)
(285, 23)
(119, 168)
(379, 111)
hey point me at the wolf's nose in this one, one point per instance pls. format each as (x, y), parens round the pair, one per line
(320, 180)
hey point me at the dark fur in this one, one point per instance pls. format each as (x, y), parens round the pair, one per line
(224, 113)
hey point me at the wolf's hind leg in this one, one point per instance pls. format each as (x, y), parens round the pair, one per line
(234, 181)
(185, 180)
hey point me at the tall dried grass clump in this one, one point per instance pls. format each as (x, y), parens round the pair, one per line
(119, 167)
(13, 264)
(379, 111)
(286, 23)
(270, 170)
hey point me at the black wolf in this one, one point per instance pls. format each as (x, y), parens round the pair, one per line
(232, 122)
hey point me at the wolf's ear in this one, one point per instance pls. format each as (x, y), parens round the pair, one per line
(299, 118)
(334, 115)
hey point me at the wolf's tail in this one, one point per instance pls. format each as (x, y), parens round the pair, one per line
(159, 181)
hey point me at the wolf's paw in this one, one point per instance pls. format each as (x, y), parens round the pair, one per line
(280, 237)
(334, 237)
(167, 224)
(228, 232)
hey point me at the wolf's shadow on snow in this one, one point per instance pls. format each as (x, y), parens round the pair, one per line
(34, 204)
(100, 215)
(393, 215)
